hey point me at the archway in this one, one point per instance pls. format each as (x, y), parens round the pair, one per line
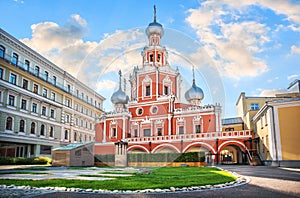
(137, 149)
(232, 154)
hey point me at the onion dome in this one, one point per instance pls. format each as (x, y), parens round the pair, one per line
(119, 97)
(195, 93)
(155, 27)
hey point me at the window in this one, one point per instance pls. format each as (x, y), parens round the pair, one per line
(32, 128)
(52, 96)
(45, 93)
(75, 136)
(197, 128)
(166, 90)
(54, 80)
(34, 107)
(44, 111)
(77, 92)
(147, 132)
(26, 65)
(151, 57)
(23, 104)
(76, 121)
(181, 130)
(51, 132)
(11, 100)
(66, 134)
(81, 123)
(114, 132)
(159, 131)
(35, 88)
(9, 123)
(25, 84)
(148, 90)
(14, 59)
(37, 71)
(68, 88)
(68, 102)
(67, 118)
(135, 132)
(46, 75)
(82, 95)
(229, 129)
(1, 73)
(42, 132)
(13, 78)
(2, 51)
(254, 106)
(87, 98)
(52, 113)
(22, 126)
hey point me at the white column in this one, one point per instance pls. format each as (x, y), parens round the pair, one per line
(104, 131)
(169, 124)
(123, 129)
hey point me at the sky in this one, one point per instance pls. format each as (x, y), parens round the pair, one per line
(235, 46)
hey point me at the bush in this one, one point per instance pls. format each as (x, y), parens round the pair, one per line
(24, 161)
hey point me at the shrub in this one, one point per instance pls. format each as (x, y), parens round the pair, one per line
(24, 161)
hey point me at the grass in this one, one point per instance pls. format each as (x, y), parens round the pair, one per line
(159, 178)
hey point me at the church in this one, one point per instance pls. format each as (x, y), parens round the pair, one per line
(153, 119)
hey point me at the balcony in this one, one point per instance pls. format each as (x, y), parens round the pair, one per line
(199, 136)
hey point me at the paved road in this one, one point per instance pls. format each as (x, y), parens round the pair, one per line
(265, 182)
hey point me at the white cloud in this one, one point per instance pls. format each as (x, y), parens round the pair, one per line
(106, 85)
(292, 76)
(234, 46)
(271, 92)
(295, 49)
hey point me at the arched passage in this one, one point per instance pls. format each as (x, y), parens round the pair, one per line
(232, 152)
(199, 144)
(137, 149)
(164, 148)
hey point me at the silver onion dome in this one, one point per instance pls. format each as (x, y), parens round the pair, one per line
(155, 27)
(119, 97)
(194, 93)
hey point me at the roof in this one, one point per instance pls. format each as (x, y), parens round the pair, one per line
(229, 121)
(72, 146)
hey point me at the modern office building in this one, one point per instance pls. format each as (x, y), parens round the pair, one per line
(41, 105)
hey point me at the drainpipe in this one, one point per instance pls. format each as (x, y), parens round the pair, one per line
(274, 133)
(217, 143)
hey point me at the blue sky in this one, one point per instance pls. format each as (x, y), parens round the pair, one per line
(235, 46)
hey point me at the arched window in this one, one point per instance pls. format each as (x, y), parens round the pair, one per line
(66, 134)
(2, 51)
(51, 133)
(22, 126)
(15, 59)
(75, 136)
(42, 130)
(32, 128)
(9, 123)
(26, 65)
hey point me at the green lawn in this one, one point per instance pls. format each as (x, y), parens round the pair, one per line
(159, 178)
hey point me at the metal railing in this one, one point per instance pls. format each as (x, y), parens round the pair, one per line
(7, 58)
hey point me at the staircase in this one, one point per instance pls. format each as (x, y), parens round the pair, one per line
(253, 158)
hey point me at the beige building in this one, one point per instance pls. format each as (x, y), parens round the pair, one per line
(41, 105)
(247, 107)
(275, 122)
(277, 128)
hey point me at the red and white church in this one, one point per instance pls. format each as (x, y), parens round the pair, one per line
(153, 119)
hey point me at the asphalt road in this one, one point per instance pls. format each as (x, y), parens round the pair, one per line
(265, 181)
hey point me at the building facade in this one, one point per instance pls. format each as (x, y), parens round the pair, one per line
(153, 118)
(41, 105)
(276, 127)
